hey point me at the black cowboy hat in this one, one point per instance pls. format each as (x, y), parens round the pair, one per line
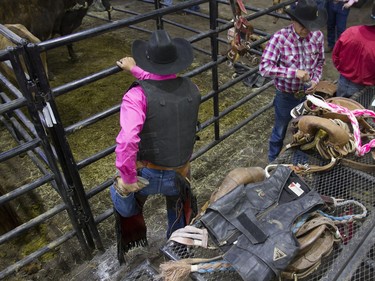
(161, 54)
(307, 13)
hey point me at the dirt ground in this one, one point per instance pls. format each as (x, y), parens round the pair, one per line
(248, 147)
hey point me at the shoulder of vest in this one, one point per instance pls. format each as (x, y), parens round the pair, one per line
(134, 84)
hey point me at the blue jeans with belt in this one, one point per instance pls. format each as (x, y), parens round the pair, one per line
(161, 182)
(336, 23)
(283, 103)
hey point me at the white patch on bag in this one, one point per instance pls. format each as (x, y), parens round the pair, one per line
(296, 188)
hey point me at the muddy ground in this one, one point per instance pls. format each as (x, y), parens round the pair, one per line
(248, 147)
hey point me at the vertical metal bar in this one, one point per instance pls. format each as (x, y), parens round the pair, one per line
(63, 150)
(159, 20)
(214, 51)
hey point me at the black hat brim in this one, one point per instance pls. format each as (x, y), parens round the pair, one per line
(314, 25)
(184, 57)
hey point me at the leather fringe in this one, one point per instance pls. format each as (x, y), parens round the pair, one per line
(133, 244)
(130, 233)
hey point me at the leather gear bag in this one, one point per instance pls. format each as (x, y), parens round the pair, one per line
(335, 128)
(331, 139)
(326, 89)
(317, 237)
(252, 223)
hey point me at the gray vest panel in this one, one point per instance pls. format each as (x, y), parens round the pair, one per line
(169, 132)
(253, 223)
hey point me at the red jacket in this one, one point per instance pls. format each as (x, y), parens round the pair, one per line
(354, 54)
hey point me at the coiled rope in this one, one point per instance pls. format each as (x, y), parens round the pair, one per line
(210, 267)
(180, 269)
(346, 218)
(360, 150)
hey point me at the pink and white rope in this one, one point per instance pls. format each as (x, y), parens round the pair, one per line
(360, 150)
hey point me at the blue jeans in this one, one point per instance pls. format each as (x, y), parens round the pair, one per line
(321, 4)
(195, 8)
(283, 104)
(168, 3)
(336, 23)
(161, 182)
(347, 88)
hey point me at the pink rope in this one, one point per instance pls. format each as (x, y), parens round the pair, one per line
(365, 113)
(360, 150)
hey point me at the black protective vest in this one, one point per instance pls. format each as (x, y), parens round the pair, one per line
(169, 132)
(253, 223)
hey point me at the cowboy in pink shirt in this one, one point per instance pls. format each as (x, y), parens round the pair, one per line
(131, 122)
(158, 118)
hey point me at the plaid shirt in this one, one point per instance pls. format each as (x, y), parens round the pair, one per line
(286, 52)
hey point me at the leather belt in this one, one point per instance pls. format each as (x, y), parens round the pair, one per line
(183, 170)
(157, 167)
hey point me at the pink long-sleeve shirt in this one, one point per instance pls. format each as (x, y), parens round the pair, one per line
(132, 117)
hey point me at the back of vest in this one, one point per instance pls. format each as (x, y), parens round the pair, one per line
(169, 132)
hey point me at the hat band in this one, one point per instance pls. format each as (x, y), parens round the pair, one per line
(160, 59)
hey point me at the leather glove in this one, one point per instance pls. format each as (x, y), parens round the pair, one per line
(125, 188)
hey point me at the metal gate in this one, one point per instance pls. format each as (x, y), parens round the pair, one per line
(34, 132)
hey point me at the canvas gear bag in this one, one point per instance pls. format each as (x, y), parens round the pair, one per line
(252, 223)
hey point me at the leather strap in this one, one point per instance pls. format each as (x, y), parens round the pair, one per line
(307, 169)
(368, 168)
(182, 170)
(191, 236)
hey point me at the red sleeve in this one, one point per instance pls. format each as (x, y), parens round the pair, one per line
(336, 54)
